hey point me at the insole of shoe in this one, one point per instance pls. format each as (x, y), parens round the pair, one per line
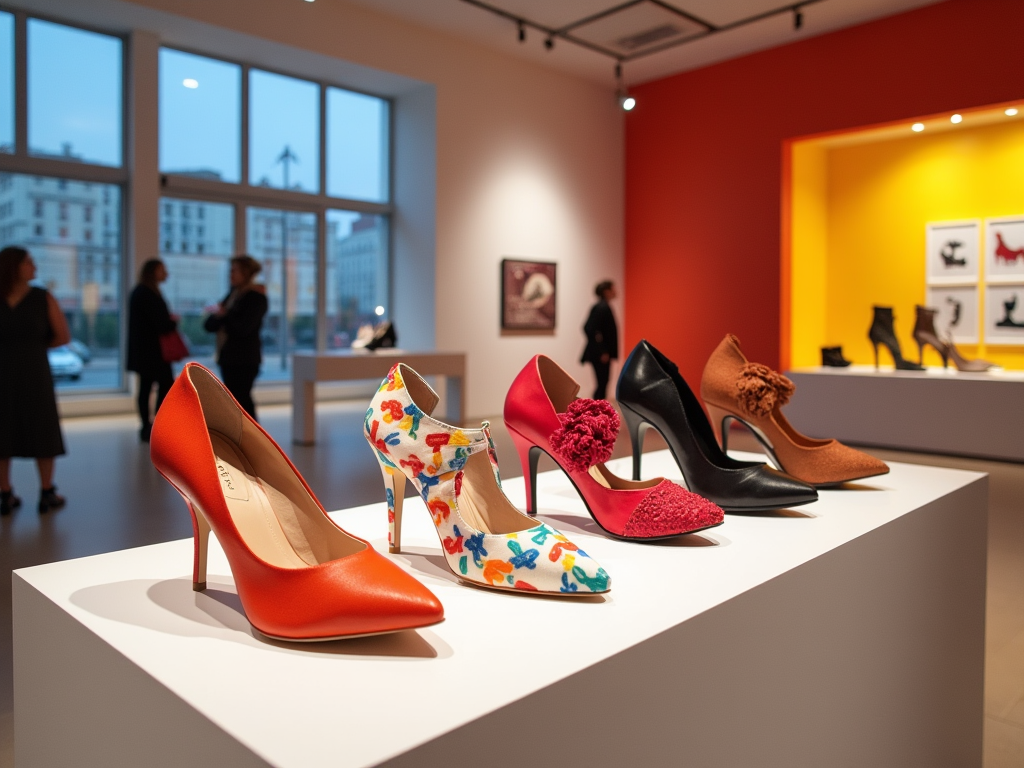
(483, 505)
(256, 510)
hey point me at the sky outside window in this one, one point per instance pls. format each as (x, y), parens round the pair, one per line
(200, 116)
(74, 93)
(284, 132)
(357, 146)
(6, 82)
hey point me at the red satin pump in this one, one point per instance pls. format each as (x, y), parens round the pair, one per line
(542, 413)
(299, 576)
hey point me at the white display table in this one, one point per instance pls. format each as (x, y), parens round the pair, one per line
(937, 410)
(847, 632)
(357, 365)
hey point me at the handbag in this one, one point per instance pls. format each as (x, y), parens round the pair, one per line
(173, 347)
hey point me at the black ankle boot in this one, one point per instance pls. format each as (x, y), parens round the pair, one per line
(8, 502)
(882, 332)
(832, 357)
(49, 500)
(384, 337)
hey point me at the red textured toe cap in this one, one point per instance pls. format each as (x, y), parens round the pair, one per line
(669, 510)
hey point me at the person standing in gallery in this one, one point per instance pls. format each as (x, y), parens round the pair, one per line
(602, 338)
(148, 320)
(31, 322)
(237, 323)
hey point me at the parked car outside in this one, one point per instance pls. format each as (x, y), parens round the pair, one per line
(65, 364)
(80, 349)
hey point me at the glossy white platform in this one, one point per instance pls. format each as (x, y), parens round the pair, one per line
(936, 410)
(847, 632)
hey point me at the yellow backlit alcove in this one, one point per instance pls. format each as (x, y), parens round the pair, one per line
(858, 203)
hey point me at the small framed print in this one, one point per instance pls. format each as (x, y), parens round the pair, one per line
(1004, 250)
(957, 316)
(951, 252)
(528, 294)
(1004, 314)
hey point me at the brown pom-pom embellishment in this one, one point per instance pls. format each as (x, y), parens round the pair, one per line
(760, 389)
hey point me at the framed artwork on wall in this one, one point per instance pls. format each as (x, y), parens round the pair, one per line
(1004, 250)
(951, 252)
(528, 295)
(1004, 314)
(957, 316)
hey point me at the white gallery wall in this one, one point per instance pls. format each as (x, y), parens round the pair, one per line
(529, 163)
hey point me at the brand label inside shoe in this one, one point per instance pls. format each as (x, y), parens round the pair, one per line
(233, 485)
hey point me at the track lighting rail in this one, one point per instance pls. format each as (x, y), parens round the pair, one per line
(565, 32)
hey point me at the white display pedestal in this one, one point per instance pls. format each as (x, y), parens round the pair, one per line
(937, 410)
(357, 365)
(846, 632)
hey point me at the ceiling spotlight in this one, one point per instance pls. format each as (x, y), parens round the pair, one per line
(1010, 112)
(550, 42)
(798, 18)
(522, 33)
(379, 311)
(917, 127)
(190, 82)
(956, 119)
(627, 103)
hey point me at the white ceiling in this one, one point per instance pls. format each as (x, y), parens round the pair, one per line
(466, 21)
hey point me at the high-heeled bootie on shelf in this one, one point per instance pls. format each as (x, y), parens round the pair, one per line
(299, 576)
(926, 335)
(486, 540)
(653, 394)
(734, 389)
(882, 332)
(543, 414)
(832, 357)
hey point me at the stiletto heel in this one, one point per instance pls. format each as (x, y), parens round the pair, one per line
(541, 407)
(753, 394)
(529, 455)
(394, 490)
(920, 353)
(637, 428)
(719, 425)
(486, 540)
(298, 575)
(875, 345)
(201, 539)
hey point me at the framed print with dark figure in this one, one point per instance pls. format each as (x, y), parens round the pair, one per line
(951, 252)
(528, 295)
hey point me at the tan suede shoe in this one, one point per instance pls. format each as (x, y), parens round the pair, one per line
(753, 394)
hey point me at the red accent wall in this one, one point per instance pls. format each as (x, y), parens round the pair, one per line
(704, 160)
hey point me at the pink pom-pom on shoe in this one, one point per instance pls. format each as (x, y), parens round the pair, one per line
(586, 435)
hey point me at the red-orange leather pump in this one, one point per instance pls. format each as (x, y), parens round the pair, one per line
(299, 575)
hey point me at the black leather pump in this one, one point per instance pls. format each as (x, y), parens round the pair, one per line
(652, 393)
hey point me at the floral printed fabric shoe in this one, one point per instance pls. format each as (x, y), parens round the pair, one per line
(486, 540)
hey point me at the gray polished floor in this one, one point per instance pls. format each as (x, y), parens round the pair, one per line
(117, 500)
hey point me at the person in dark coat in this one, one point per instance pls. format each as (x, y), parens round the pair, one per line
(148, 320)
(602, 338)
(31, 322)
(237, 324)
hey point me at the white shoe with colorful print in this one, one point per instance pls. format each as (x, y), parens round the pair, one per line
(486, 540)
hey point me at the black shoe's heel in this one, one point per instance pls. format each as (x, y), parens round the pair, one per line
(49, 500)
(637, 427)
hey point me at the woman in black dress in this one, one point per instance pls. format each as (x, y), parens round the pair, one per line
(148, 320)
(30, 323)
(237, 324)
(602, 338)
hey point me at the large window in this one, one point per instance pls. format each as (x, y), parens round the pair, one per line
(6, 82)
(196, 241)
(314, 203)
(74, 93)
(61, 182)
(200, 116)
